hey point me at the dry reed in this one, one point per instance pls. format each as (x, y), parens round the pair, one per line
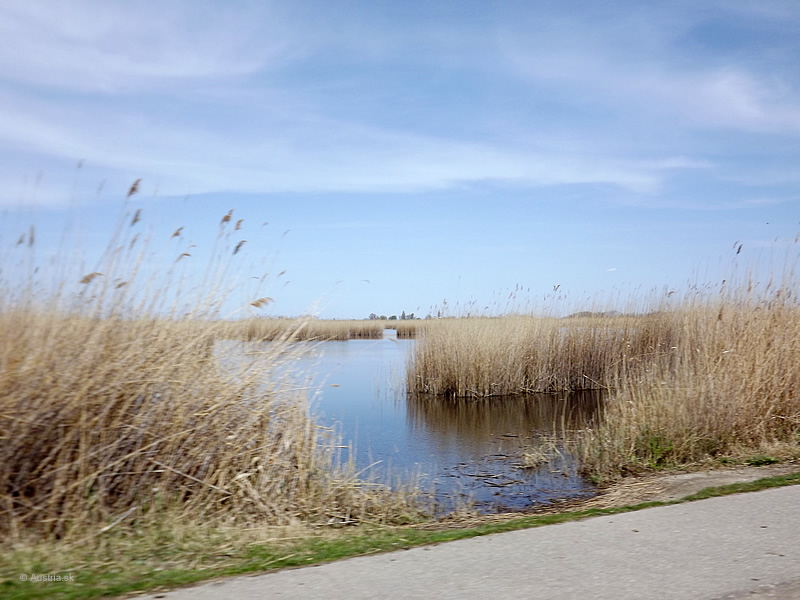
(729, 386)
(311, 329)
(483, 357)
(115, 413)
(406, 329)
(715, 374)
(301, 329)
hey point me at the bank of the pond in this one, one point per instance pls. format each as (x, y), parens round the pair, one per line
(494, 455)
(134, 563)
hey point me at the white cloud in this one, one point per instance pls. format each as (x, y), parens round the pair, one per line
(111, 47)
(243, 131)
(302, 155)
(726, 98)
(636, 64)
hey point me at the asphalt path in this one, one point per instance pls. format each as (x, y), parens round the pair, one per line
(732, 547)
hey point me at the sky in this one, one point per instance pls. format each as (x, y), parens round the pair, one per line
(426, 157)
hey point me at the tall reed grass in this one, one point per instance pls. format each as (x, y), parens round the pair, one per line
(407, 329)
(729, 386)
(116, 410)
(483, 357)
(713, 374)
(303, 329)
(313, 329)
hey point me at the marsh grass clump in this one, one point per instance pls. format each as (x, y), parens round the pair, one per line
(117, 409)
(730, 387)
(301, 329)
(534, 456)
(710, 375)
(103, 416)
(269, 329)
(484, 357)
(406, 329)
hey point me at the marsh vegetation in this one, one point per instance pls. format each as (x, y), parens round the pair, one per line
(266, 329)
(710, 374)
(301, 329)
(116, 413)
(120, 422)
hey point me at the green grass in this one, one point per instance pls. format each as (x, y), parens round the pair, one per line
(759, 460)
(117, 578)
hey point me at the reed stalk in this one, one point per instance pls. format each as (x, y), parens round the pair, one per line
(713, 374)
(117, 408)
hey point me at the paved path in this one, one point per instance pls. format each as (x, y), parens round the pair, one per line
(734, 547)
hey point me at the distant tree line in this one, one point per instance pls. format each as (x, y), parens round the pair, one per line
(403, 317)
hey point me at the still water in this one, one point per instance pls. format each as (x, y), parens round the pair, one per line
(472, 449)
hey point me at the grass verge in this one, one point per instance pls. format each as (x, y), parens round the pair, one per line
(132, 571)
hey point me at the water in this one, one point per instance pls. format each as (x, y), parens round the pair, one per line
(459, 449)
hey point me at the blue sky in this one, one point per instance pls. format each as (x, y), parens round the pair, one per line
(404, 154)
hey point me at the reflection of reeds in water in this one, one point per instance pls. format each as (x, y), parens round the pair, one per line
(513, 451)
(473, 422)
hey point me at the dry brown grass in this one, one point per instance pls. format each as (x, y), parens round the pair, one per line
(307, 329)
(102, 416)
(714, 375)
(312, 329)
(483, 357)
(114, 415)
(730, 385)
(406, 329)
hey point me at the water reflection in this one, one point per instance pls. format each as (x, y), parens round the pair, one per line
(471, 449)
(470, 422)
(504, 453)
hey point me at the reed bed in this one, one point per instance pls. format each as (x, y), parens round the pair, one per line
(312, 329)
(485, 357)
(301, 329)
(729, 387)
(708, 376)
(406, 329)
(114, 415)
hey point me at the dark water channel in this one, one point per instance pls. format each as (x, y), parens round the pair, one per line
(476, 449)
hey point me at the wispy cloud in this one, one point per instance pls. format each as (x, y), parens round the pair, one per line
(98, 46)
(304, 153)
(196, 97)
(702, 96)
